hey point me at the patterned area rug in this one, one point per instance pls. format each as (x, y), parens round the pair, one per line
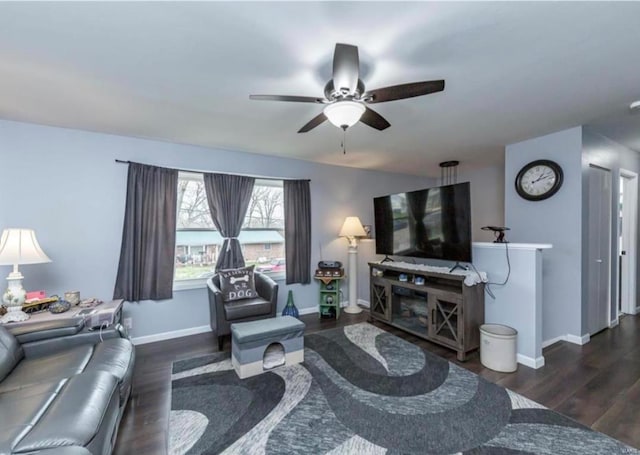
(362, 390)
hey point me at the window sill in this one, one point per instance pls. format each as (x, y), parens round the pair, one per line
(201, 283)
(186, 285)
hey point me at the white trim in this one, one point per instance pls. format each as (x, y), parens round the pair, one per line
(187, 285)
(514, 246)
(584, 339)
(530, 361)
(170, 335)
(614, 323)
(631, 209)
(311, 310)
(553, 341)
(637, 310)
(361, 302)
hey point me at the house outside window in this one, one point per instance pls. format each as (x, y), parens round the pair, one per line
(198, 242)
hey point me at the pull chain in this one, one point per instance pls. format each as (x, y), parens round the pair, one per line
(344, 140)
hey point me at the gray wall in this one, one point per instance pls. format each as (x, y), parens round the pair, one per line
(603, 152)
(65, 184)
(557, 220)
(487, 199)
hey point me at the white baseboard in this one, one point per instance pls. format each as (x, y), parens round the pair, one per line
(614, 323)
(530, 361)
(303, 311)
(584, 339)
(361, 302)
(553, 341)
(169, 335)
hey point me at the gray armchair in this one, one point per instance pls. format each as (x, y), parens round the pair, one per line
(223, 314)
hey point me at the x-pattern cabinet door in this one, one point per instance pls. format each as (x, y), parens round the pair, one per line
(380, 298)
(446, 324)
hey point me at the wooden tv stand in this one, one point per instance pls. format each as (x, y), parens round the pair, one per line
(443, 310)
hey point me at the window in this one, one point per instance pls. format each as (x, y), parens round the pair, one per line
(198, 242)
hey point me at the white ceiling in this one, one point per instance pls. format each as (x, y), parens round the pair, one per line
(182, 72)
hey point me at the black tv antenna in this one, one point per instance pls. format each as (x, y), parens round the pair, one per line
(498, 232)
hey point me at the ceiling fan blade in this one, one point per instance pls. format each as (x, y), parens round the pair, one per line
(296, 99)
(346, 67)
(315, 121)
(374, 120)
(399, 92)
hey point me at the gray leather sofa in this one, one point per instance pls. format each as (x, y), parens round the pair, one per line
(63, 389)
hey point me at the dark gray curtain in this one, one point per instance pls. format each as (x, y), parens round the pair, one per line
(297, 230)
(148, 250)
(228, 197)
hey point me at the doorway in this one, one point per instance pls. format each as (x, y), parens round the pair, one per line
(627, 242)
(599, 250)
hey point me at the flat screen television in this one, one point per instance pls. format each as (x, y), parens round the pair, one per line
(431, 223)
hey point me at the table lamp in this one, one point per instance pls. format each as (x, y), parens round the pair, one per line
(352, 229)
(17, 247)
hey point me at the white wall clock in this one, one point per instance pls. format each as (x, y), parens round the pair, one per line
(539, 180)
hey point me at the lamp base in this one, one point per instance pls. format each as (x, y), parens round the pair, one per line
(12, 315)
(352, 309)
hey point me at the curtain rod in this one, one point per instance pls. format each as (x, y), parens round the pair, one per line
(208, 172)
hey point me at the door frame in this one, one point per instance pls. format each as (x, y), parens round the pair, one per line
(611, 253)
(630, 211)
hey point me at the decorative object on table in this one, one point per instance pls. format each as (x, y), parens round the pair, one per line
(18, 247)
(290, 308)
(89, 303)
(36, 305)
(352, 229)
(498, 232)
(539, 180)
(73, 297)
(237, 284)
(367, 229)
(59, 307)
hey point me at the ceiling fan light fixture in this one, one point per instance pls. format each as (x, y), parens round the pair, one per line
(344, 114)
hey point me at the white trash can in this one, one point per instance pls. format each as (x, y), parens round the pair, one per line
(498, 347)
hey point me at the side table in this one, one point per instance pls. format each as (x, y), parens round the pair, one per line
(329, 296)
(109, 313)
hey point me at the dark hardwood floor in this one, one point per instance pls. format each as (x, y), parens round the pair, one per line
(597, 384)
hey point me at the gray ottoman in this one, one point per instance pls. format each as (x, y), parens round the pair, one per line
(284, 336)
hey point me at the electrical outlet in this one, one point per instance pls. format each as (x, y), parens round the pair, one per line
(128, 323)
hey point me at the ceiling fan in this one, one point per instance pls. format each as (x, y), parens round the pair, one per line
(345, 98)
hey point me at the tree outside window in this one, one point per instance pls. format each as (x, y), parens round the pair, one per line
(198, 242)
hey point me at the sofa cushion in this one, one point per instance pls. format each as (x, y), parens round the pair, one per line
(45, 369)
(247, 308)
(24, 408)
(75, 415)
(10, 352)
(115, 356)
(237, 284)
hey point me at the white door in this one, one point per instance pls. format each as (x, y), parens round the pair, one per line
(599, 250)
(627, 241)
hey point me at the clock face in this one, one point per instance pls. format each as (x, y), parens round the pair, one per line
(539, 180)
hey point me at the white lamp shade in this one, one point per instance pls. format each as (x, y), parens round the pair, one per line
(352, 227)
(344, 113)
(20, 246)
